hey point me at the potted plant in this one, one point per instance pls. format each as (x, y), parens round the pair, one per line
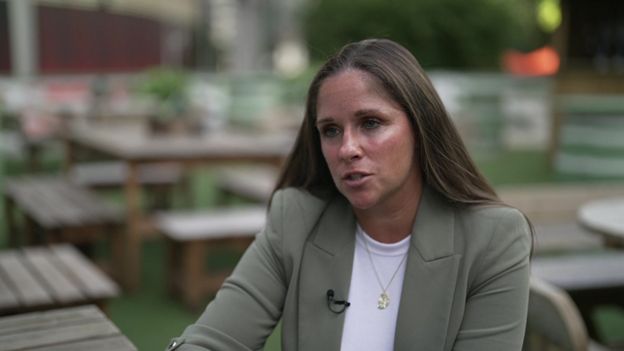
(167, 87)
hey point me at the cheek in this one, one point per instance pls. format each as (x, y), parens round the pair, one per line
(329, 155)
(397, 151)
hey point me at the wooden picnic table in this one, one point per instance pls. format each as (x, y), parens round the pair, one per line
(135, 146)
(46, 277)
(605, 217)
(71, 328)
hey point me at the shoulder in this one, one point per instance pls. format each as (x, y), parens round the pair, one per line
(296, 201)
(495, 218)
(486, 229)
(491, 216)
(295, 210)
(493, 235)
(296, 196)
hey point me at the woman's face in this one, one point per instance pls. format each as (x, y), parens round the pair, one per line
(367, 142)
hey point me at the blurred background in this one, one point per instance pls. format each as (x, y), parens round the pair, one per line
(536, 88)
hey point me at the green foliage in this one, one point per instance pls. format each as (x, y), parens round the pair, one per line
(440, 33)
(168, 87)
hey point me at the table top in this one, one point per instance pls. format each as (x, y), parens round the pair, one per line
(38, 278)
(605, 216)
(136, 143)
(581, 271)
(72, 328)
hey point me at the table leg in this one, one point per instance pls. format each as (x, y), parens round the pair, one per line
(132, 267)
(9, 214)
(69, 158)
(192, 273)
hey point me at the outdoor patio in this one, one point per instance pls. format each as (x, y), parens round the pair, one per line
(135, 173)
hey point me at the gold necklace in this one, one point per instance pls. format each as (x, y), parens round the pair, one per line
(384, 300)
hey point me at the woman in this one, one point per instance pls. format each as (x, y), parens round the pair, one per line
(382, 234)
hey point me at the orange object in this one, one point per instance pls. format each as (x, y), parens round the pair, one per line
(541, 62)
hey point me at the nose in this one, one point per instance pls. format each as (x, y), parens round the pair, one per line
(350, 148)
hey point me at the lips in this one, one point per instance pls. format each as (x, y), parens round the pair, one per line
(355, 178)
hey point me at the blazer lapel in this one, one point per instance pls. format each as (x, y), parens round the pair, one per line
(429, 282)
(326, 264)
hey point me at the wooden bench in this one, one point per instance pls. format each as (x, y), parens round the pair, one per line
(159, 178)
(551, 203)
(59, 209)
(56, 210)
(41, 278)
(253, 183)
(552, 208)
(193, 236)
(592, 280)
(67, 329)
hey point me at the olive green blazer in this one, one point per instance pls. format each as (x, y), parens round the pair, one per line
(465, 286)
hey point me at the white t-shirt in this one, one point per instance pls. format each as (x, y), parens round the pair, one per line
(366, 327)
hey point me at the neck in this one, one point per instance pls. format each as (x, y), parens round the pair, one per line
(391, 224)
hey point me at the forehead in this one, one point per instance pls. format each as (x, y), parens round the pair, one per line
(352, 79)
(352, 88)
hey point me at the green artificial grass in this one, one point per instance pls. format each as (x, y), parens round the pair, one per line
(149, 317)
(610, 322)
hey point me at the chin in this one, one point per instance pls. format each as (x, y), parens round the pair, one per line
(360, 203)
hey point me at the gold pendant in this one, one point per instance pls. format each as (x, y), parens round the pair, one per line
(383, 301)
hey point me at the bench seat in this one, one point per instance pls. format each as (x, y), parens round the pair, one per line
(191, 236)
(160, 178)
(57, 203)
(254, 183)
(60, 209)
(111, 174)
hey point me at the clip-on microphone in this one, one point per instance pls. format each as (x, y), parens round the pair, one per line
(331, 303)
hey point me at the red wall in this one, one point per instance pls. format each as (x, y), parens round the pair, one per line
(73, 41)
(5, 57)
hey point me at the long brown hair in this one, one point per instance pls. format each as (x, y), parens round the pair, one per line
(442, 156)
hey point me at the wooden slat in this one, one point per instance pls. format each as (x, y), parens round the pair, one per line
(44, 204)
(8, 298)
(27, 289)
(116, 343)
(92, 208)
(57, 334)
(59, 283)
(66, 212)
(94, 283)
(25, 322)
(114, 173)
(55, 202)
(25, 196)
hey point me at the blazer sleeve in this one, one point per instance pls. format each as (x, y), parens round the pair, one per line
(497, 302)
(249, 304)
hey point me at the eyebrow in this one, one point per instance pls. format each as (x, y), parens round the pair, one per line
(366, 112)
(358, 113)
